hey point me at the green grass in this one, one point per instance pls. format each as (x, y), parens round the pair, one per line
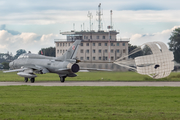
(93, 76)
(89, 103)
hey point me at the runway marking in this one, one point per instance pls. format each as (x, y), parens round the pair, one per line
(74, 83)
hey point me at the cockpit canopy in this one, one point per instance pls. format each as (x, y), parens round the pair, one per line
(34, 56)
(25, 55)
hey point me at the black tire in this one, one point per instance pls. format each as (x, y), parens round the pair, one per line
(25, 79)
(32, 80)
(62, 79)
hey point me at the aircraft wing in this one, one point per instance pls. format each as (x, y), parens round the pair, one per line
(32, 67)
(15, 70)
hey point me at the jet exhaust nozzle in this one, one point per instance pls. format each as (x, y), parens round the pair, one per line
(73, 67)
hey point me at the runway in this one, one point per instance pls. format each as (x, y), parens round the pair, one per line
(74, 83)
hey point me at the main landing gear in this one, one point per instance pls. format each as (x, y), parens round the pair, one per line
(31, 79)
(62, 78)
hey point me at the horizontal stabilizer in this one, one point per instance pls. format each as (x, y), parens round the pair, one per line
(94, 69)
(63, 69)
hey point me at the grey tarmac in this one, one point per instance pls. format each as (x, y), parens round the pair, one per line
(77, 83)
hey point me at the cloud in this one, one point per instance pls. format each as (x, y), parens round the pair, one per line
(28, 41)
(139, 39)
(13, 32)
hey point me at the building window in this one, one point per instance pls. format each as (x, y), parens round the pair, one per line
(112, 50)
(90, 37)
(117, 51)
(87, 58)
(60, 51)
(104, 37)
(94, 58)
(81, 58)
(87, 51)
(112, 58)
(81, 44)
(94, 44)
(57, 51)
(106, 66)
(106, 58)
(69, 44)
(94, 51)
(117, 44)
(57, 44)
(110, 37)
(99, 58)
(105, 44)
(97, 37)
(124, 44)
(99, 44)
(86, 37)
(105, 50)
(87, 44)
(100, 66)
(112, 44)
(82, 51)
(99, 51)
(124, 51)
(63, 51)
(60, 44)
(63, 44)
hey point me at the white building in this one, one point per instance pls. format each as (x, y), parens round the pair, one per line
(96, 46)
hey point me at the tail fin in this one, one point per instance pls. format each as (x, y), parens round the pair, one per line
(72, 51)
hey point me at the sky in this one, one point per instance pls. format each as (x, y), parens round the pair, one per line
(35, 24)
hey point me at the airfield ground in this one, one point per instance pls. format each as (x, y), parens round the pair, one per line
(91, 76)
(101, 103)
(89, 102)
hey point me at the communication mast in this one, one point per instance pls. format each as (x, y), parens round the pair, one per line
(90, 17)
(98, 13)
(111, 19)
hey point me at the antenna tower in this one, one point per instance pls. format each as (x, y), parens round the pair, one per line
(90, 17)
(98, 13)
(111, 19)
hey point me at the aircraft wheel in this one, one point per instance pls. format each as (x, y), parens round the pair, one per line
(32, 80)
(26, 79)
(62, 79)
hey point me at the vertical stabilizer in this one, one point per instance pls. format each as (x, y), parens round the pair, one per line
(71, 52)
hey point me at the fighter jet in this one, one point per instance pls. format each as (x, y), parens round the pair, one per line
(65, 66)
